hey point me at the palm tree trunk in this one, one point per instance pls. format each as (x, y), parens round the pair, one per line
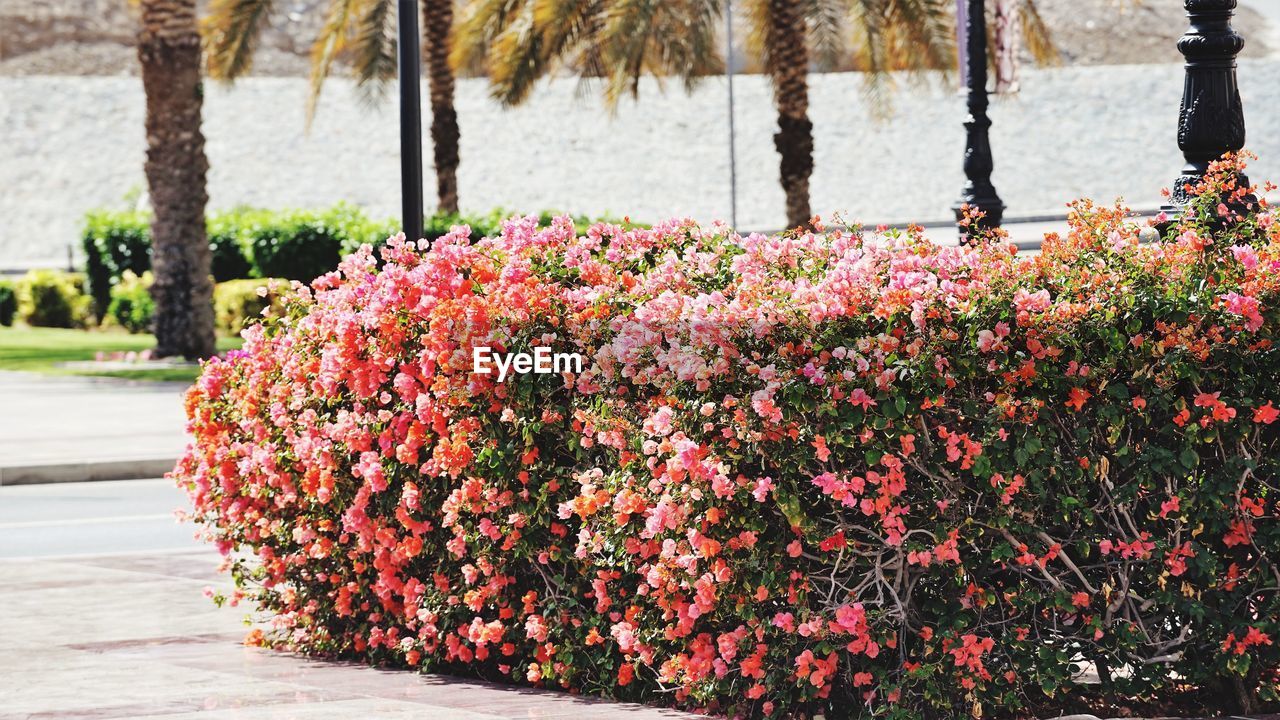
(169, 51)
(787, 54)
(437, 33)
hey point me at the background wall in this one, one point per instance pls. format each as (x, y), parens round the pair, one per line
(71, 135)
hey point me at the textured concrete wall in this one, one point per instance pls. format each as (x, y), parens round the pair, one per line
(71, 144)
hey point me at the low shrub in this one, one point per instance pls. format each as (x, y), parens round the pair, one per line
(249, 242)
(49, 298)
(131, 305)
(239, 303)
(229, 236)
(8, 303)
(114, 243)
(842, 473)
(302, 245)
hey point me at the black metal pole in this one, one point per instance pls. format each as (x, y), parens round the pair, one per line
(978, 191)
(1211, 120)
(733, 150)
(410, 71)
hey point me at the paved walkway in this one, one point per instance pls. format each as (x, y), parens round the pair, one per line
(126, 632)
(71, 428)
(133, 636)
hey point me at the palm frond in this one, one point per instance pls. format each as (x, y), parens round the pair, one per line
(826, 20)
(516, 61)
(892, 39)
(867, 29)
(758, 22)
(1036, 35)
(230, 33)
(567, 27)
(927, 32)
(479, 22)
(625, 41)
(373, 50)
(661, 38)
(335, 36)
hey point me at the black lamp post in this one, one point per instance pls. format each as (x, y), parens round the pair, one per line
(410, 71)
(1211, 121)
(978, 191)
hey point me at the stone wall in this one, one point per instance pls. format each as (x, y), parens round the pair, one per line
(74, 143)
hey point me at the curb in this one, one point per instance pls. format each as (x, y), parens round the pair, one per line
(86, 471)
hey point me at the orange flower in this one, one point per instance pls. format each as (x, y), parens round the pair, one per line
(1077, 398)
(1266, 414)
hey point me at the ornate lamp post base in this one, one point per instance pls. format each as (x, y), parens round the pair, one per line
(978, 191)
(1211, 120)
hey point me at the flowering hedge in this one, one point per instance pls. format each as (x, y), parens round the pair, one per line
(840, 472)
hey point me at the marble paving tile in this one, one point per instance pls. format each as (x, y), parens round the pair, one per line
(26, 575)
(435, 691)
(343, 710)
(111, 687)
(134, 637)
(116, 611)
(202, 566)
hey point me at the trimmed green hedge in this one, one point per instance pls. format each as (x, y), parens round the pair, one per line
(256, 243)
(114, 243)
(8, 302)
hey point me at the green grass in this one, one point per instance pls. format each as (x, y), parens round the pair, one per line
(41, 349)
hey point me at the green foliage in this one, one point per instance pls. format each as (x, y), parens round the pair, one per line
(304, 244)
(50, 298)
(114, 243)
(118, 242)
(8, 303)
(237, 303)
(256, 243)
(228, 237)
(131, 305)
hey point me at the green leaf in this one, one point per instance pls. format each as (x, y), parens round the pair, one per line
(1189, 458)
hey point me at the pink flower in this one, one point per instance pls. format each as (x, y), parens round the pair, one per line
(1245, 306)
(860, 398)
(1031, 302)
(761, 491)
(986, 341)
(659, 423)
(785, 621)
(624, 634)
(1245, 255)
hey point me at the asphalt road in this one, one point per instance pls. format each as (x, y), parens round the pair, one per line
(95, 518)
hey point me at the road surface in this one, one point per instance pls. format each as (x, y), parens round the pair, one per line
(96, 518)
